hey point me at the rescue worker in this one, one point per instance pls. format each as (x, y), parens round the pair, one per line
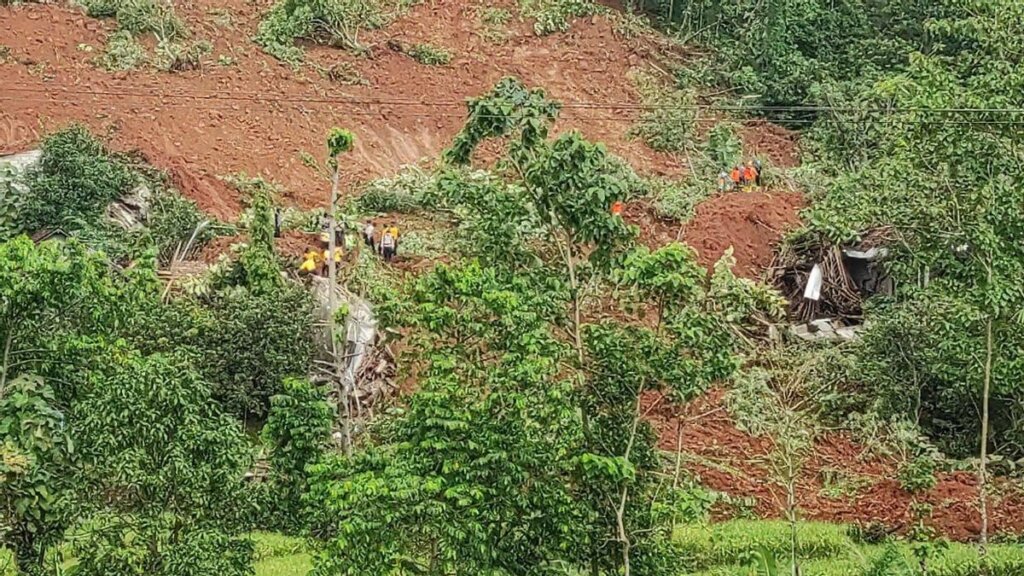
(617, 208)
(757, 166)
(368, 231)
(736, 176)
(723, 181)
(325, 267)
(388, 243)
(749, 177)
(394, 234)
(309, 261)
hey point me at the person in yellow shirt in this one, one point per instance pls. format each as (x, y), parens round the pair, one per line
(327, 255)
(394, 233)
(309, 261)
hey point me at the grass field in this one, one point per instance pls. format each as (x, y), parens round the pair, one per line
(278, 555)
(730, 549)
(724, 549)
(275, 555)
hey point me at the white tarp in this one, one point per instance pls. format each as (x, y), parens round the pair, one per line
(813, 289)
(360, 332)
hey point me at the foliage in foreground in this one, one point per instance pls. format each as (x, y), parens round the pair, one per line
(106, 420)
(950, 342)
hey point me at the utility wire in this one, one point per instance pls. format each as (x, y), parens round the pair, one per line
(408, 112)
(284, 98)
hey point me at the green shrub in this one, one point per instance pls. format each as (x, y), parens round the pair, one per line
(172, 221)
(123, 52)
(669, 122)
(724, 147)
(13, 195)
(140, 16)
(917, 475)
(330, 22)
(492, 22)
(552, 16)
(405, 192)
(430, 55)
(253, 342)
(297, 431)
(678, 199)
(171, 56)
(75, 180)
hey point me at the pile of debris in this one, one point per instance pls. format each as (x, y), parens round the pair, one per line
(368, 366)
(826, 285)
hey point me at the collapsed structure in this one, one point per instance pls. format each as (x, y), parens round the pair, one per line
(826, 284)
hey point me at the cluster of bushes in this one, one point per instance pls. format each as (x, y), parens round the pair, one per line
(334, 23)
(552, 16)
(174, 51)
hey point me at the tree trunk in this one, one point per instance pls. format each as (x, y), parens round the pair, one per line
(620, 510)
(343, 392)
(983, 467)
(7, 353)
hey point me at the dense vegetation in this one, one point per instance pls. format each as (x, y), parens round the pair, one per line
(541, 331)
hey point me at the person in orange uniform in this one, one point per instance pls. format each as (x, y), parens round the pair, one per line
(617, 208)
(749, 176)
(736, 176)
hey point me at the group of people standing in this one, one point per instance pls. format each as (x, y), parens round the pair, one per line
(386, 244)
(741, 177)
(317, 261)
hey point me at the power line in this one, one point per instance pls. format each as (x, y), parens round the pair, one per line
(285, 98)
(630, 119)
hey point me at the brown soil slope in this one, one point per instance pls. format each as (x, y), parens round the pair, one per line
(258, 115)
(841, 482)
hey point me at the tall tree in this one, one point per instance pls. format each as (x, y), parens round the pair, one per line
(162, 492)
(942, 174)
(475, 477)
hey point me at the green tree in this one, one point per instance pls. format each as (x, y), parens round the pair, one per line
(940, 174)
(258, 264)
(251, 342)
(570, 184)
(669, 277)
(74, 181)
(36, 470)
(162, 493)
(297, 431)
(475, 476)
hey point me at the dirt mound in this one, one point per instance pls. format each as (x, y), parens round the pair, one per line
(841, 482)
(764, 139)
(257, 115)
(751, 223)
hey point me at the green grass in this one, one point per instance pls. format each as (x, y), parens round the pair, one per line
(729, 548)
(279, 555)
(275, 555)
